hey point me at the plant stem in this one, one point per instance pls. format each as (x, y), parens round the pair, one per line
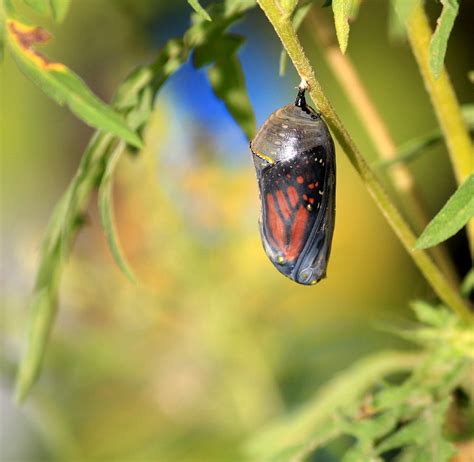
(442, 96)
(402, 179)
(444, 102)
(433, 275)
(316, 415)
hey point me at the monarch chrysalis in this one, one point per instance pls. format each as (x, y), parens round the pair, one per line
(294, 157)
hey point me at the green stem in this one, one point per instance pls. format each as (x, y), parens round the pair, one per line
(400, 175)
(431, 272)
(442, 96)
(444, 101)
(315, 417)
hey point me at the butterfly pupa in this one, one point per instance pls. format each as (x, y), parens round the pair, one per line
(294, 157)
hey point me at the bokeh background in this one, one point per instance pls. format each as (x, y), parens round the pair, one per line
(213, 343)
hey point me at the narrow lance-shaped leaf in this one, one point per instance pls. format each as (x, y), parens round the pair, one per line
(59, 8)
(411, 149)
(136, 95)
(355, 7)
(467, 287)
(439, 40)
(42, 312)
(56, 247)
(170, 58)
(134, 99)
(63, 226)
(67, 220)
(299, 16)
(404, 8)
(222, 48)
(470, 76)
(61, 84)
(107, 215)
(196, 6)
(396, 29)
(342, 10)
(451, 218)
(228, 82)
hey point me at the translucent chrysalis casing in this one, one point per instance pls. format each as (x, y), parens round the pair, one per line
(294, 157)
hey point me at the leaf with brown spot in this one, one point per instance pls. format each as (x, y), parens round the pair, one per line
(61, 84)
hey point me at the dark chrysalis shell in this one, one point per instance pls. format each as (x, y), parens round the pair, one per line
(293, 153)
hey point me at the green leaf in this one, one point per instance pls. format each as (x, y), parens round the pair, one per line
(43, 310)
(59, 9)
(130, 92)
(359, 453)
(303, 426)
(301, 13)
(136, 96)
(107, 215)
(423, 454)
(470, 76)
(133, 100)
(439, 40)
(44, 303)
(404, 8)
(468, 115)
(300, 452)
(238, 6)
(396, 29)
(412, 149)
(215, 50)
(425, 433)
(228, 83)
(342, 10)
(170, 58)
(61, 84)
(451, 218)
(196, 6)
(355, 7)
(65, 223)
(430, 315)
(40, 6)
(372, 427)
(467, 287)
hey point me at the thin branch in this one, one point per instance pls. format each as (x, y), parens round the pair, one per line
(347, 76)
(445, 103)
(433, 275)
(315, 416)
(442, 96)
